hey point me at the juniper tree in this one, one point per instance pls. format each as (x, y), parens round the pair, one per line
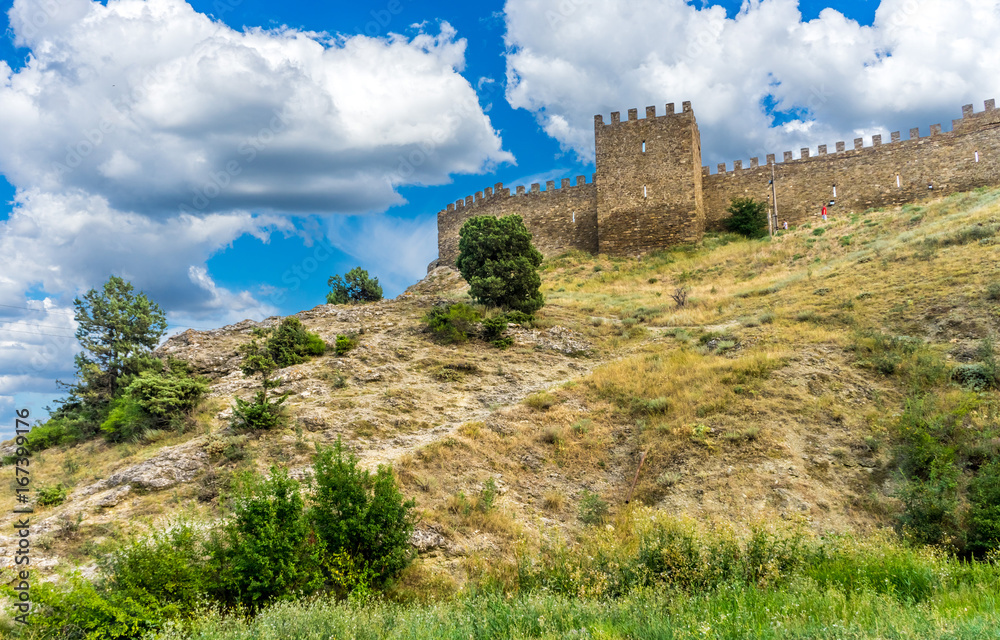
(500, 264)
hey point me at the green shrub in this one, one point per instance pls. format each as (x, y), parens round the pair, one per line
(921, 431)
(261, 414)
(266, 550)
(885, 353)
(51, 496)
(453, 323)
(818, 231)
(494, 332)
(993, 291)
(970, 234)
(499, 262)
(154, 399)
(168, 565)
(345, 344)
(79, 417)
(982, 375)
(541, 401)
(977, 376)
(519, 318)
(355, 286)
(930, 505)
(291, 343)
(166, 395)
(651, 406)
(126, 421)
(361, 514)
(51, 434)
(593, 509)
(983, 517)
(927, 436)
(503, 342)
(809, 315)
(747, 217)
(79, 609)
(494, 328)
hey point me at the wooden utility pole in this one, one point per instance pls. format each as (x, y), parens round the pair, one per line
(774, 197)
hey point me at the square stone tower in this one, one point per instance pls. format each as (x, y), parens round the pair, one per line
(649, 190)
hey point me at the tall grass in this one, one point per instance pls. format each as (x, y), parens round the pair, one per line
(651, 576)
(805, 612)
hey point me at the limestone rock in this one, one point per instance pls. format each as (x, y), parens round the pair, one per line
(170, 466)
(115, 497)
(427, 539)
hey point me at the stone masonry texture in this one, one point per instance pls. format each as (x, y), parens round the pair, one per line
(650, 190)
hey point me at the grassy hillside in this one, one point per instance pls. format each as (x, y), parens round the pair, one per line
(831, 380)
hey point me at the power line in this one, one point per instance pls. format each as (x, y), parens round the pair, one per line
(10, 306)
(33, 324)
(31, 333)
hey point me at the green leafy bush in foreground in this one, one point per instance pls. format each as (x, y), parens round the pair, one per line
(266, 550)
(984, 511)
(361, 514)
(349, 536)
(648, 575)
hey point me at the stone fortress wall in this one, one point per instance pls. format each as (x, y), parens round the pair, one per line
(877, 175)
(650, 190)
(559, 219)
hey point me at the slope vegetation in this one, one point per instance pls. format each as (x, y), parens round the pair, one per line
(773, 394)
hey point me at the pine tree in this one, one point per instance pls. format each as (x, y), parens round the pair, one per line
(117, 330)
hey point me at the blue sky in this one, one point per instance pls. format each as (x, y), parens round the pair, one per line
(228, 156)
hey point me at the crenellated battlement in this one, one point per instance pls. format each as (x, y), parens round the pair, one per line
(633, 115)
(970, 120)
(498, 191)
(650, 189)
(562, 216)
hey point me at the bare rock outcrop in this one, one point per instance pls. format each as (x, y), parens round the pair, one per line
(170, 466)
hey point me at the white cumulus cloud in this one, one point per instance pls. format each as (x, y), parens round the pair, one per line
(70, 243)
(144, 137)
(916, 65)
(155, 106)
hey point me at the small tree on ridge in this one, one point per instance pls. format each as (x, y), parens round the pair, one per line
(355, 286)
